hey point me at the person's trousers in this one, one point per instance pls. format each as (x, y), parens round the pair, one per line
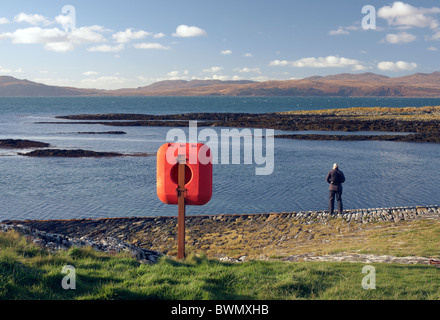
(331, 201)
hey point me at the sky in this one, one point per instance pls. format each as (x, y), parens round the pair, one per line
(132, 43)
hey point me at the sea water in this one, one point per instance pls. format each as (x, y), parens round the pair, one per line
(378, 173)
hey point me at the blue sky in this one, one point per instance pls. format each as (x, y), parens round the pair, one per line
(126, 44)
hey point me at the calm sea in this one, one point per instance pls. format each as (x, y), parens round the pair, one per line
(379, 174)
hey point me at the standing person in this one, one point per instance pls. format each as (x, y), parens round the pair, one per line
(335, 178)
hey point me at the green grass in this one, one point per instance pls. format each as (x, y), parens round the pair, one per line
(28, 272)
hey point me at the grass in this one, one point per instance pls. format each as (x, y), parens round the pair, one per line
(285, 237)
(28, 272)
(410, 113)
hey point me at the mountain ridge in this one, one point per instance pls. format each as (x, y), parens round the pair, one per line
(338, 85)
(13, 87)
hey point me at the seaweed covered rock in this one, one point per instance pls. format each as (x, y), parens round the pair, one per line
(77, 153)
(22, 144)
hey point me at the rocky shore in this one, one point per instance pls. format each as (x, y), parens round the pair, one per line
(80, 153)
(416, 137)
(21, 144)
(77, 153)
(421, 124)
(101, 132)
(44, 151)
(234, 238)
(55, 242)
(277, 121)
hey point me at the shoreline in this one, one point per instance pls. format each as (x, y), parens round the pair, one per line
(422, 122)
(284, 236)
(260, 236)
(412, 124)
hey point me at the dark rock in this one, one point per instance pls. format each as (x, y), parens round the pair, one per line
(104, 132)
(78, 153)
(418, 130)
(57, 242)
(22, 144)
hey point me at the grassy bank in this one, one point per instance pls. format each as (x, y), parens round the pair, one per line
(28, 272)
(270, 236)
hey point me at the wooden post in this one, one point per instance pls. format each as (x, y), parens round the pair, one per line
(181, 208)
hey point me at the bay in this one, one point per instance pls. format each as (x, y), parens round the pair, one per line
(379, 174)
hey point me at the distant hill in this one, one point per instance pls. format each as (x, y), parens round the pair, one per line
(339, 85)
(342, 85)
(364, 77)
(173, 85)
(12, 87)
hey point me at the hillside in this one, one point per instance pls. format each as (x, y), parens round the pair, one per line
(176, 85)
(340, 85)
(12, 87)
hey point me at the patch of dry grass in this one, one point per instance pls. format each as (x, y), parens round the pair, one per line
(403, 238)
(410, 114)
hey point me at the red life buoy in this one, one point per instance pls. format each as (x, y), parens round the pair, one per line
(198, 173)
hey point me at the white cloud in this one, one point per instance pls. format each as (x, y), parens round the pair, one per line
(34, 19)
(321, 62)
(226, 52)
(9, 71)
(339, 31)
(106, 48)
(5, 70)
(4, 21)
(144, 79)
(177, 75)
(248, 70)
(55, 39)
(67, 22)
(159, 35)
(219, 77)
(34, 35)
(129, 34)
(105, 82)
(359, 67)
(402, 37)
(62, 46)
(184, 31)
(248, 55)
(432, 49)
(151, 45)
(88, 34)
(436, 36)
(65, 82)
(396, 66)
(173, 73)
(406, 16)
(282, 63)
(213, 69)
(260, 79)
(90, 73)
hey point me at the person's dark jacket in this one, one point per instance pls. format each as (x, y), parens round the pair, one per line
(335, 178)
